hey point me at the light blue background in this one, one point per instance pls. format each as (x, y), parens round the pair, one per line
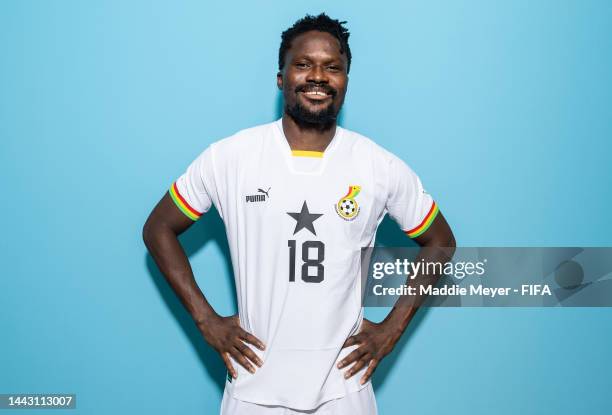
(503, 108)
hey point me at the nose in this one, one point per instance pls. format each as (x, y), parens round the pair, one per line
(317, 74)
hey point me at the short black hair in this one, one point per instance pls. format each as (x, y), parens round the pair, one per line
(322, 23)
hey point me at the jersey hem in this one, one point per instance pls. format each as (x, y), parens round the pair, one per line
(288, 405)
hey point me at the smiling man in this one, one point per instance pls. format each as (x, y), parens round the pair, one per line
(299, 198)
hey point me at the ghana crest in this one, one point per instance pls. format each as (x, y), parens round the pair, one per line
(347, 207)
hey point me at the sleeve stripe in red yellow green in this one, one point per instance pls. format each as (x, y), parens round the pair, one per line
(182, 204)
(429, 218)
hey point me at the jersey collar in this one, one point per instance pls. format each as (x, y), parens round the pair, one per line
(290, 155)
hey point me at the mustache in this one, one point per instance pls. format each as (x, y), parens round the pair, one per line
(321, 87)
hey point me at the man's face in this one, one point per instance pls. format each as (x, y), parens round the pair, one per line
(314, 78)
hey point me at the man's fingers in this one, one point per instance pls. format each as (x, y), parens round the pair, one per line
(352, 341)
(352, 356)
(239, 357)
(228, 364)
(369, 371)
(357, 366)
(249, 338)
(246, 351)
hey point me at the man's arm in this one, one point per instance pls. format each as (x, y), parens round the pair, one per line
(376, 340)
(224, 334)
(437, 245)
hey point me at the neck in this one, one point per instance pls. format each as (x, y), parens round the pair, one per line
(307, 137)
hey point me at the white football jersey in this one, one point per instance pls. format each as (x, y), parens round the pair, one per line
(296, 222)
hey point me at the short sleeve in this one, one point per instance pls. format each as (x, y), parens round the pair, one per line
(191, 192)
(408, 203)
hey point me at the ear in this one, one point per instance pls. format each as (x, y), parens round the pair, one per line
(279, 80)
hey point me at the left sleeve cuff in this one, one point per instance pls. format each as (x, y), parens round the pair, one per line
(425, 223)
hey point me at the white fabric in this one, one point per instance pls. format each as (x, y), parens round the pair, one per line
(303, 324)
(362, 402)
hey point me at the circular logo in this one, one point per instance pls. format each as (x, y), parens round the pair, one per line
(347, 208)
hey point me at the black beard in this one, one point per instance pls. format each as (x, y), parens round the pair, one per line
(307, 119)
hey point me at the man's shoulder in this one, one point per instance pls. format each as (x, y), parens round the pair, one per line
(243, 140)
(366, 146)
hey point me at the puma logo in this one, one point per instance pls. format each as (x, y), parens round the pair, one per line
(262, 196)
(264, 191)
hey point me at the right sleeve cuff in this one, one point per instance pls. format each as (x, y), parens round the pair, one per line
(182, 204)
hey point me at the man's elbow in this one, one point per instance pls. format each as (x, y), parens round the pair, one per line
(446, 241)
(149, 231)
(451, 244)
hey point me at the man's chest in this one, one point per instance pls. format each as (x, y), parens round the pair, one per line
(341, 203)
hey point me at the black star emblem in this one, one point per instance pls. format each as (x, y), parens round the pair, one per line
(304, 219)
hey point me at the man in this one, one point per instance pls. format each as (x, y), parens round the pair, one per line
(299, 197)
